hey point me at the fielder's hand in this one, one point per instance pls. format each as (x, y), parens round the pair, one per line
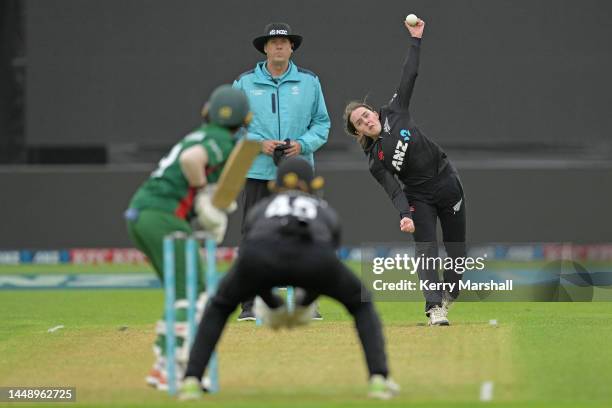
(416, 30)
(210, 217)
(407, 225)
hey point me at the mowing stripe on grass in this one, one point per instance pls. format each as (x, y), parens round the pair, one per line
(88, 281)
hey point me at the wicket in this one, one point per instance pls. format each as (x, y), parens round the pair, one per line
(191, 284)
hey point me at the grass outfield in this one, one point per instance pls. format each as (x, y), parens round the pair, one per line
(541, 354)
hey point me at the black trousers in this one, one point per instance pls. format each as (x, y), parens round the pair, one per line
(442, 199)
(263, 265)
(254, 190)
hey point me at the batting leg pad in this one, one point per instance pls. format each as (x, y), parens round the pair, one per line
(201, 305)
(181, 332)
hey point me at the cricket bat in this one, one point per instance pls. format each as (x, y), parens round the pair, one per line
(234, 173)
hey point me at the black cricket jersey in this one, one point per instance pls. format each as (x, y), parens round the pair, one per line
(402, 150)
(293, 215)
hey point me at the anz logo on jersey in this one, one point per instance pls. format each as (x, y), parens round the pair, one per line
(400, 150)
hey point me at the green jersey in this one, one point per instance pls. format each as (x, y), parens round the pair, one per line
(167, 189)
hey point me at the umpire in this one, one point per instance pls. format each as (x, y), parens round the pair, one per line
(289, 114)
(290, 240)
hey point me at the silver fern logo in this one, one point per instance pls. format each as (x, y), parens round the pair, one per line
(457, 206)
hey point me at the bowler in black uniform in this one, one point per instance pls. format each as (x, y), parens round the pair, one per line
(290, 240)
(430, 187)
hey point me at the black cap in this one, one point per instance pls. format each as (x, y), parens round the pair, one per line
(277, 30)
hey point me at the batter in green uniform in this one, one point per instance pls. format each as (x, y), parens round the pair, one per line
(179, 189)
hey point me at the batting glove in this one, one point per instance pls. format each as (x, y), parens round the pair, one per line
(210, 217)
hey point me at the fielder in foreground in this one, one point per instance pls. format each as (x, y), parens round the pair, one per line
(179, 188)
(396, 147)
(290, 240)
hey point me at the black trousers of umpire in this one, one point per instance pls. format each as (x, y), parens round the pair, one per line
(254, 190)
(443, 199)
(266, 264)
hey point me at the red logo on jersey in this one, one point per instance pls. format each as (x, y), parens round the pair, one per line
(381, 155)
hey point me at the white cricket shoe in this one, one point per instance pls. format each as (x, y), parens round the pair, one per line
(382, 388)
(437, 316)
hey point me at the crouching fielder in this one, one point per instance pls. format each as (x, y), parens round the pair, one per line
(290, 240)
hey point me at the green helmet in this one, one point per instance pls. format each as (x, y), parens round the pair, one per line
(228, 107)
